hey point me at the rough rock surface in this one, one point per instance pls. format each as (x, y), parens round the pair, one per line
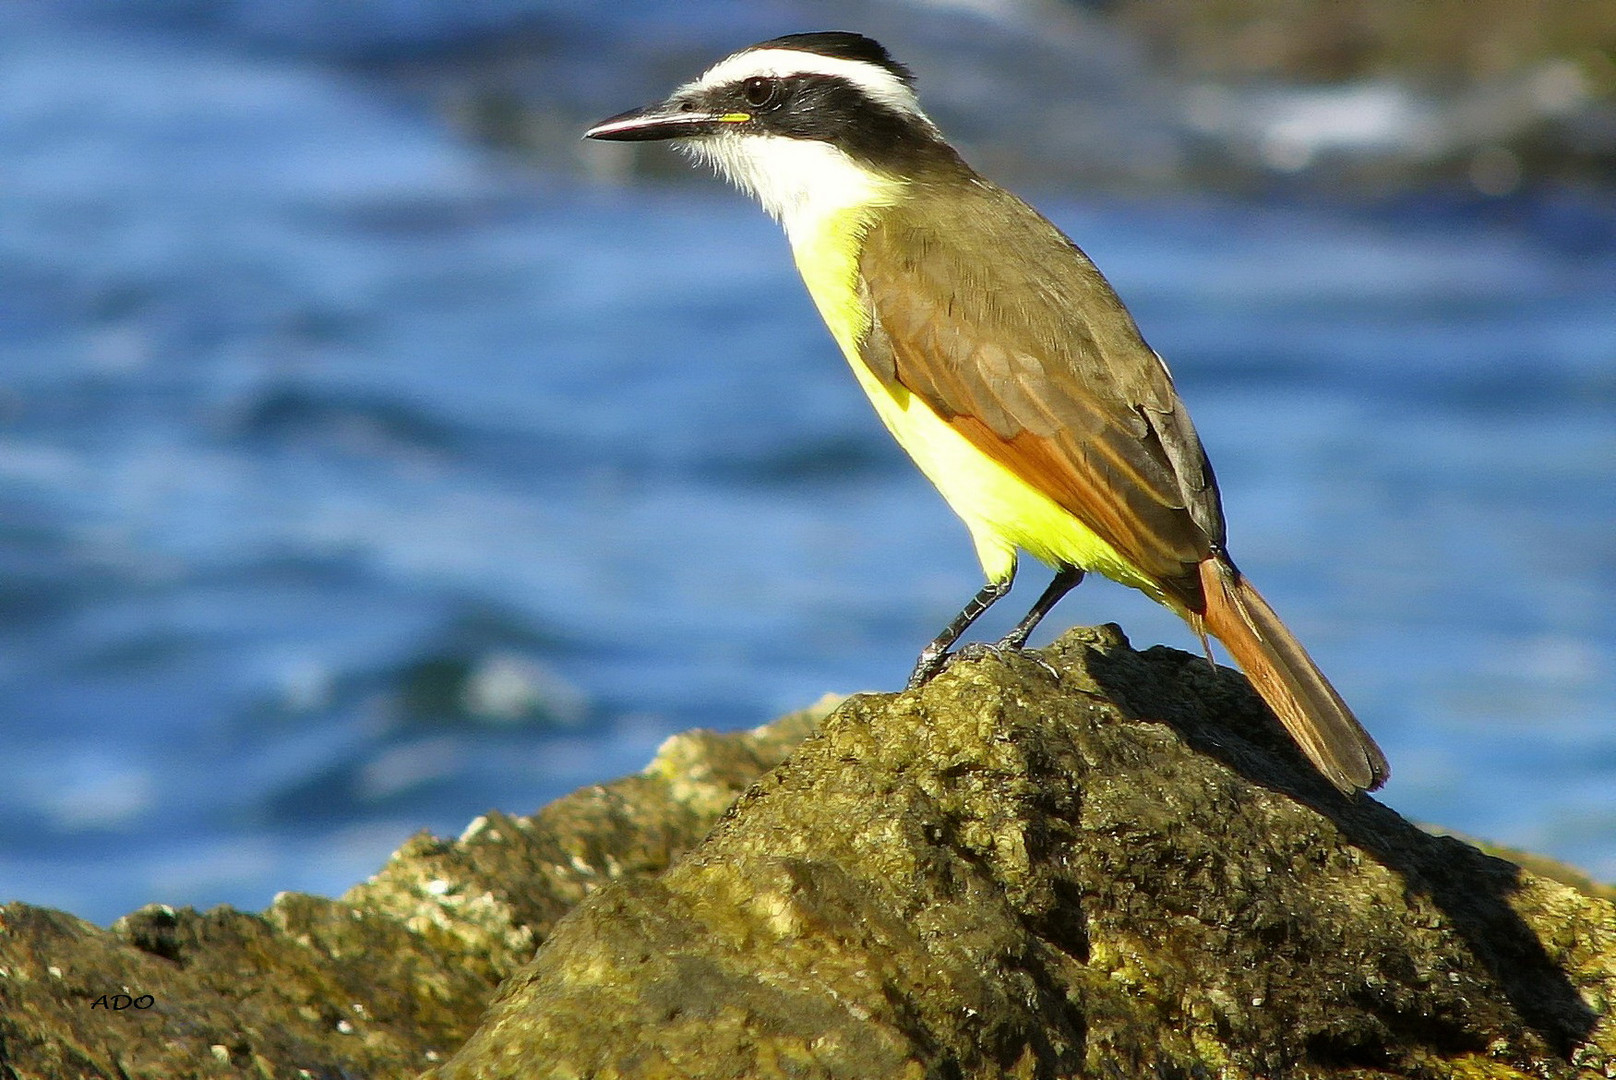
(381, 983)
(1119, 869)
(1116, 866)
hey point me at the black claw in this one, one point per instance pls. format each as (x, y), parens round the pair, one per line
(981, 650)
(932, 666)
(927, 667)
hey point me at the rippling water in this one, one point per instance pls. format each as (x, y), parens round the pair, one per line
(353, 482)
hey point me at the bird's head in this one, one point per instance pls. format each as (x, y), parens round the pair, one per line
(796, 119)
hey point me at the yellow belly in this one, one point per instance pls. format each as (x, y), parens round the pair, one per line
(1002, 512)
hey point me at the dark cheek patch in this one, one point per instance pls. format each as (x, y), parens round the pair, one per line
(831, 109)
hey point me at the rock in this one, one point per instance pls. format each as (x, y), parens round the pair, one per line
(1120, 869)
(383, 982)
(1115, 866)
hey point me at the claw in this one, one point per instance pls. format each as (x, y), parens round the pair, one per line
(933, 659)
(981, 650)
(1003, 650)
(1038, 659)
(932, 663)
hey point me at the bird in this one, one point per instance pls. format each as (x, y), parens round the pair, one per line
(997, 355)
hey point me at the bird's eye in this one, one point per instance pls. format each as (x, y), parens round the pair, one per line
(757, 90)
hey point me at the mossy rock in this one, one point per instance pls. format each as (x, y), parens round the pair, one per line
(1107, 863)
(1112, 866)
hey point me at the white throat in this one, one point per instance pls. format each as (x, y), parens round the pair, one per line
(802, 183)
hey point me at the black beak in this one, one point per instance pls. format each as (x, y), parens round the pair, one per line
(671, 119)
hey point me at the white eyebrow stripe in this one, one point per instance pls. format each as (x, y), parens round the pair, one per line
(873, 79)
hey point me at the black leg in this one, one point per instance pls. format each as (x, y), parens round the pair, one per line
(935, 655)
(1066, 579)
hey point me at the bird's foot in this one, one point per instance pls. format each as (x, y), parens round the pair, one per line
(1006, 647)
(980, 650)
(933, 662)
(1038, 658)
(933, 659)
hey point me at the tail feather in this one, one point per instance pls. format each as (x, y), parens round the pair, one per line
(1289, 681)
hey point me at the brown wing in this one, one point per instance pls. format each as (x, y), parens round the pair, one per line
(1018, 342)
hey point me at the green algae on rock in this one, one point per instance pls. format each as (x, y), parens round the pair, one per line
(381, 983)
(1122, 870)
(1114, 866)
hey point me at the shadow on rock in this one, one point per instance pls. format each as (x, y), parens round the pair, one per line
(1118, 869)
(1219, 715)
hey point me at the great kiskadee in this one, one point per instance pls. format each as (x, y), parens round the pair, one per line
(996, 354)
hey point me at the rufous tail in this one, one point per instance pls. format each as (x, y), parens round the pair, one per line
(1289, 681)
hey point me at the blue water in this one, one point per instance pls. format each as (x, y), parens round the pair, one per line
(354, 480)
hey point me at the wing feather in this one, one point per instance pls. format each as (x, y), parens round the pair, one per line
(1018, 342)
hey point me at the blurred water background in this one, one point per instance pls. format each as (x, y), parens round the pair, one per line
(373, 454)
